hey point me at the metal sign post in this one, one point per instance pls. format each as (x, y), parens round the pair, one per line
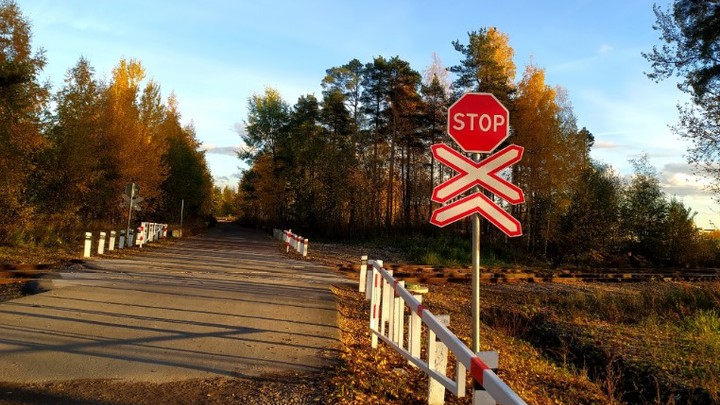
(478, 123)
(131, 192)
(476, 282)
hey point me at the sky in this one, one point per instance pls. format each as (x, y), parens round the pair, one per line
(215, 54)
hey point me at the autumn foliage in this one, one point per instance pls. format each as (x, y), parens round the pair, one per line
(67, 155)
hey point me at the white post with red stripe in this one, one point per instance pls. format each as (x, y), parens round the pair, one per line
(296, 242)
(383, 290)
(141, 234)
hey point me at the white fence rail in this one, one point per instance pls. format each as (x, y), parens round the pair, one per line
(296, 242)
(388, 299)
(146, 232)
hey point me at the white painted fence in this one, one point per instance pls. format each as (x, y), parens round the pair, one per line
(388, 299)
(146, 232)
(296, 242)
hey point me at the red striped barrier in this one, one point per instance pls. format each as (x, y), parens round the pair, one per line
(296, 242)
(388, 297)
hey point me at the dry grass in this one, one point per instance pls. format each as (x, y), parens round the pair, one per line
(382, 376)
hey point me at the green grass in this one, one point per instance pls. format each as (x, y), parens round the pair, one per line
(439, 251)
(670, 332)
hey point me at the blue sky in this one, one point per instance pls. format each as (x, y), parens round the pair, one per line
(215, 54)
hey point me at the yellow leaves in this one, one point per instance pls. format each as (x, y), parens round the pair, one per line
(502, 53)
(127, 76)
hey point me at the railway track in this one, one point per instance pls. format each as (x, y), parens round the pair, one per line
(438, 275)
(18, 273)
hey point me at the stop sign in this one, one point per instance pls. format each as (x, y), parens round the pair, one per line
(478, 122)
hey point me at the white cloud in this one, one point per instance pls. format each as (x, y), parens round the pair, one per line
(603, 144)
(221, 150)
(605, 48)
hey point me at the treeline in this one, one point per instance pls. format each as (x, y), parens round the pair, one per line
(356, 162)
(67, 155)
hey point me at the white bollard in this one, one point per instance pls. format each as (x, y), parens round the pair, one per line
(101, 243)
(305, 247)
(130, 238)
(121, 242)
(363, 274)
(399, 319)
(375, 294)
(415, 332)
(437, 361)
(88, 244)
(111, 245)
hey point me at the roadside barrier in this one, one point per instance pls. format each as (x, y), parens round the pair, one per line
(388, 299)
(146, 232)
(296, 242)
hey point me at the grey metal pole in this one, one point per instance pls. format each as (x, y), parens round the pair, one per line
(476, 282)
(130, 208)
(476, 273)
(182, 211)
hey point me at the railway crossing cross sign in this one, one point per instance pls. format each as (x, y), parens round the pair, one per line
(470, 174)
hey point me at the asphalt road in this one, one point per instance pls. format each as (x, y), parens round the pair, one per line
(228, 303)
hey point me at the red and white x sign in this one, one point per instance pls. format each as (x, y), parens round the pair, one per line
(471, 173)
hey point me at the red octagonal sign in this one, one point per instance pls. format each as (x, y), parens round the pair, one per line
(478, 122)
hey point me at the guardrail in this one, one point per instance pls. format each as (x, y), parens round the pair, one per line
(296, 242)
(146, 232)
(388, 299)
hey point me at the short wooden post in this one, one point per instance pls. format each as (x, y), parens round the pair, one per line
(111, 244)
(88, 244)
(101, 243)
